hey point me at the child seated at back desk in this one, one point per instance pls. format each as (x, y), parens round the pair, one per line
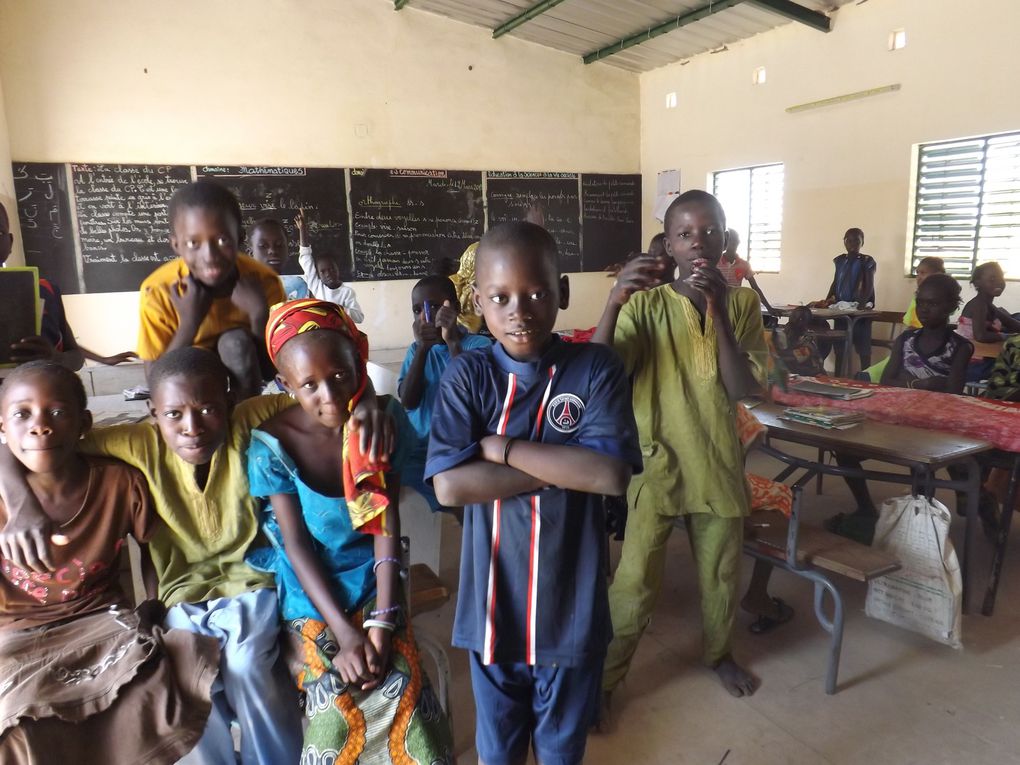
(982, 320)
(267, 242)
(932, 358)
(438, 339)
(795, 346)
(210, 296)
(322, 274)
(925, 268)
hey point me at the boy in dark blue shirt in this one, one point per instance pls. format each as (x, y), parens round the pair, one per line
(526, 435)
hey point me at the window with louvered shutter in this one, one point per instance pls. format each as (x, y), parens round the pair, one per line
(752, 198)
(967, 204)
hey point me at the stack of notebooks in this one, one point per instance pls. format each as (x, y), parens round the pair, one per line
(822, 417)
(830, 390)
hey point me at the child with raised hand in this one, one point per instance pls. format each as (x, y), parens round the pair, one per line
(211, 296)
(81, 673)
(438, 339)
(698, 345)
(334, 524)
(322, 274)
(267, 242)
(527, 434)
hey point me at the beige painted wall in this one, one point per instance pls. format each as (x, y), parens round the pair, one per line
(849, 164)
(7, 184)
(301, 82)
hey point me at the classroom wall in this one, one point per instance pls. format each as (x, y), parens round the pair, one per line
(301, 82)
(847, 164)
(7, 183)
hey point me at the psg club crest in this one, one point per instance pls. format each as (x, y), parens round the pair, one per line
(564, 413)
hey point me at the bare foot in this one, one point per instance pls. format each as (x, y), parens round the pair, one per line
(735, 679)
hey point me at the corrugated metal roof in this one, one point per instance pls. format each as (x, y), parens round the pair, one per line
(583, 26)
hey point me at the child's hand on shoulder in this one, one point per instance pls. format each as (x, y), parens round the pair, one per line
(191, 298)
(377, 431)
(637, 275)
(446, 321)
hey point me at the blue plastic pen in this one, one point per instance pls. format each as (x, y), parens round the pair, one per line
(428, 313)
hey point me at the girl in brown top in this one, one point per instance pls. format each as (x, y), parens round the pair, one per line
(83, 677)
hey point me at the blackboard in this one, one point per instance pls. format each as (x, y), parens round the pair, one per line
(610, 219)
(19, 308)
(402, 221)
(122, 221)
(509, 194)
(279, 192)
(44, 210)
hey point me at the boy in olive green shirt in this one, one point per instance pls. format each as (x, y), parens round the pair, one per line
(692, 348)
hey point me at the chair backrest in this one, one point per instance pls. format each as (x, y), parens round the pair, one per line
(384, 380)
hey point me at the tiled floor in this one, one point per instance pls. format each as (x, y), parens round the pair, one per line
(903, 699)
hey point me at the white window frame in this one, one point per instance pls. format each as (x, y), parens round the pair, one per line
(965, 203)
(760, 228)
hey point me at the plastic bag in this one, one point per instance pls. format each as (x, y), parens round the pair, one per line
(926, 594)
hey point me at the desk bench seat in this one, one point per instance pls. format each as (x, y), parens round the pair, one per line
(819, 548)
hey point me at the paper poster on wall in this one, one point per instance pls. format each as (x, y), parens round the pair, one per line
(667, 187)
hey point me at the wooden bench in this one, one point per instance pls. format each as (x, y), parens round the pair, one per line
(425, 589)
(819, 548)
(812, 553)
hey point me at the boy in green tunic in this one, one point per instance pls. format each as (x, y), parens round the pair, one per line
(692, 348)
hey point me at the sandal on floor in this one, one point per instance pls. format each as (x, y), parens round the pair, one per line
(765, 624)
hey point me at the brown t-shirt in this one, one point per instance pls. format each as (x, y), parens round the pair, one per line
(87, 571)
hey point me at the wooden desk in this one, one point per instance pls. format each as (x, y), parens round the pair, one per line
(923, 451)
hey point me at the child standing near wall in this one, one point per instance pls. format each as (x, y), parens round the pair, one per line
(322, 274)
(526, 435)
(267, 240)
(698, 345)
(210, 296)
(438, 339)
(735, 269)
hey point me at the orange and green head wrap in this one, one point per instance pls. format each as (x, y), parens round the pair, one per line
(364, 484)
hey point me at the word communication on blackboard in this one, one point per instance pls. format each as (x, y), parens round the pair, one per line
(104, 228)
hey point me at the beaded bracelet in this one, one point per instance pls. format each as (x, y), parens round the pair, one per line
(384, 611)
(369, 623)
(384, 560)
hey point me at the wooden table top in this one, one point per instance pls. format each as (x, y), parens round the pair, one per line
(898, 444)
(830, 313)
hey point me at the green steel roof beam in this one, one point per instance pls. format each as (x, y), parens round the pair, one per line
(796, 12)
(524, 16)
(398, 4)
(661, 29)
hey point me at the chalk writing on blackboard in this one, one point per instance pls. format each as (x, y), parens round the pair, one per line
(122, 221)
(279, 192)
(611, 215)
(510, 195)
(404, 220)
(44, 214)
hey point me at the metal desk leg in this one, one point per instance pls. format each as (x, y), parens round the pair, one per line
(848, 350)
(1002, 538)
(970, 538)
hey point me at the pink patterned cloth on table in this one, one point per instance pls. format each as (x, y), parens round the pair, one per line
(997, 422)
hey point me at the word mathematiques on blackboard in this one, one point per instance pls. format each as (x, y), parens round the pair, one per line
(611, 219)
(279, 192)
(122, 221)
(44, 211)
(404, 221)
(511, 195)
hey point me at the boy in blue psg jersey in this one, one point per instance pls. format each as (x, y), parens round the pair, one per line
(526, 435)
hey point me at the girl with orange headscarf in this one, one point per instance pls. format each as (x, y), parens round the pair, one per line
(334, 530)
